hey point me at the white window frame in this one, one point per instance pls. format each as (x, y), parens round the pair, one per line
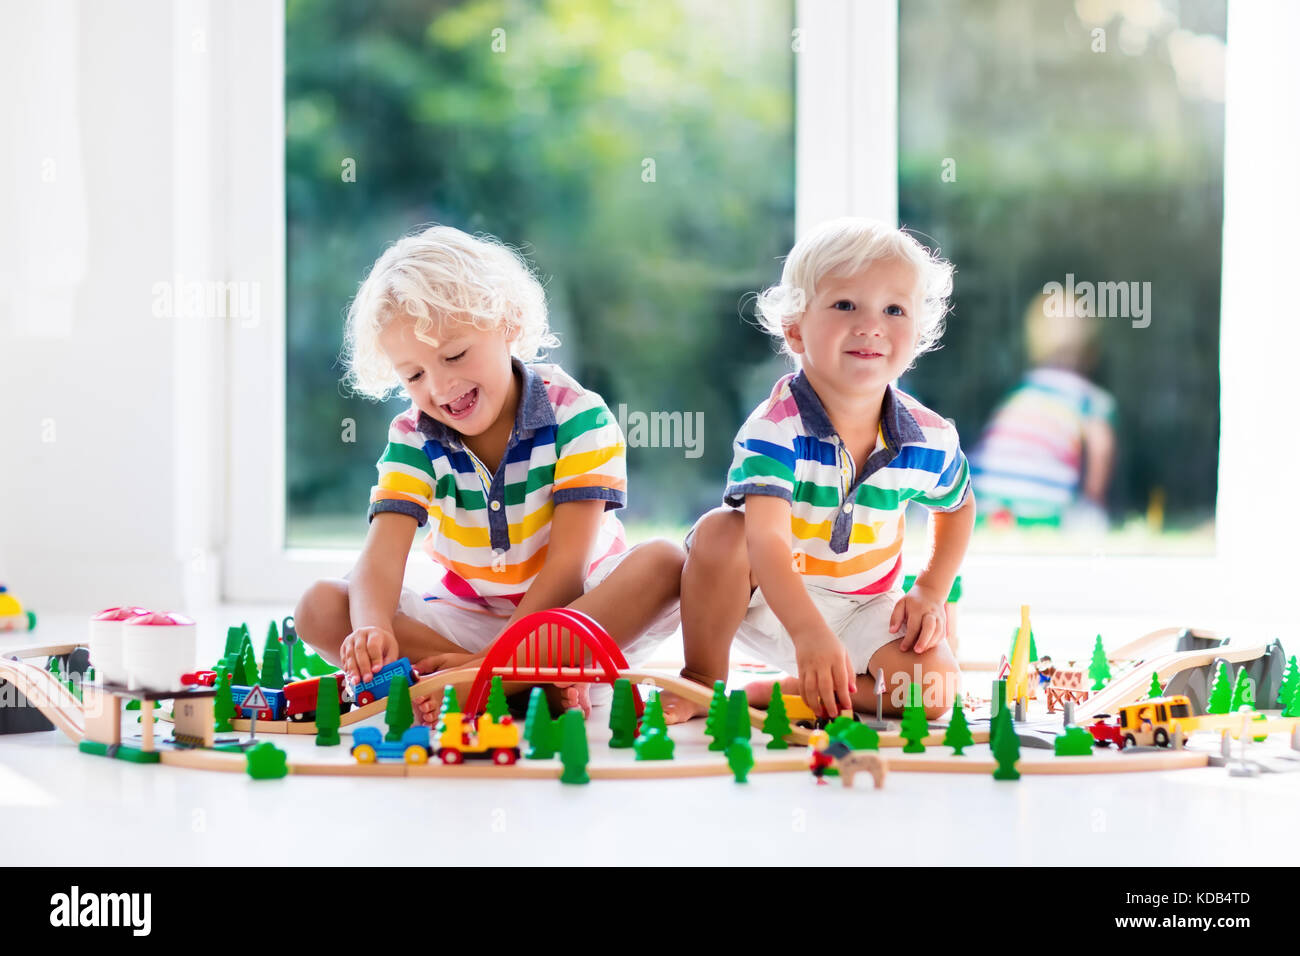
(846, 163)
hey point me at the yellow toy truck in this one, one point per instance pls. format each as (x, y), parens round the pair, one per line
(465, 737)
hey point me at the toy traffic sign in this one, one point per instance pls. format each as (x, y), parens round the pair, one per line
(256, 700)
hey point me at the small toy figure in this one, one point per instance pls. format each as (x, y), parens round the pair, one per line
(818, 758)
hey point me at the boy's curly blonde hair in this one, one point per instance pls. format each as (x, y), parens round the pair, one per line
(435, 274)
(845, 246)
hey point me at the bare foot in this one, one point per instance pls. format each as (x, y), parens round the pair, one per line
(678, 710)
(569, 696)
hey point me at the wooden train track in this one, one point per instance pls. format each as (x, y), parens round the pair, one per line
(47, 694)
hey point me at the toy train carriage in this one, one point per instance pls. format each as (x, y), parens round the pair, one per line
(273, 697)
(800, 714)
(301, 697)
(1159, 721)
(465, 737)
(368, 746)
(369, 691)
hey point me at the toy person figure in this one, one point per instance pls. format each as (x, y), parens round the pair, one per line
(1045, 670)
(819, 759)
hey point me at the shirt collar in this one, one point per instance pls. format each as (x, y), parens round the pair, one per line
(535, 410)
(896, 422)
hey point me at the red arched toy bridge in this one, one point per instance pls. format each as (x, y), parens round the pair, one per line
(558, 646)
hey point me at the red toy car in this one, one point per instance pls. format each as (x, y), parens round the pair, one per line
(1106, 730)
(201, 678)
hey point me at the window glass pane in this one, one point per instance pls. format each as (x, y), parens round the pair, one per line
(1068, 158)
(642, 155)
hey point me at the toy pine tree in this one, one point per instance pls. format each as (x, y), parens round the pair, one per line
(1220, 692)
(1099, 670)
(234, 638)
(496, 704)
(1006, 748)
(777, 723)
(715, 724)
(52, 665)
(1292, 709)
(622, 715)
(539, 729)
(573, 747)
(250, 663)
(1290, 681)
(914, 729)
(266, 761)
(327, 712)
(857, 736)
(1075, 742)
(272, 641)
(958, 733)
(450, 705)
(398, 714)
(272, 669)
(740, 758)
(1155, 689)
(1243, 692)
(1033, 648)
(738, 717)
(652, 717)
(653, 744)
(223, 708)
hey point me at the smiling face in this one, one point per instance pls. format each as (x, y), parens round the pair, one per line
(458, 374)
(860, 331)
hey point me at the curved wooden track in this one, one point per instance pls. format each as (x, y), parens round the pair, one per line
(47, 694)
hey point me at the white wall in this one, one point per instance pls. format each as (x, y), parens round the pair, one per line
(87, 493)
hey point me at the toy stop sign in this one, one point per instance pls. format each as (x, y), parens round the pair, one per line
(255, 699)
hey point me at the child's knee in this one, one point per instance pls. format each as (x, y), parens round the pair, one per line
(720, 538)
(664, 561)
(321, 616)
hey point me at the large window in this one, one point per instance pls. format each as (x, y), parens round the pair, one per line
(641, 154)
(1081, 144)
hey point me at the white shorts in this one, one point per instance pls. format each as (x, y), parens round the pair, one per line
(475, 630)
(860, 622)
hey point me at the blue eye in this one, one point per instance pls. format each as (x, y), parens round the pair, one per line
(844, 305)
(894, 310)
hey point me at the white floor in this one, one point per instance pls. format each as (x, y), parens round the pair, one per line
(64, 807)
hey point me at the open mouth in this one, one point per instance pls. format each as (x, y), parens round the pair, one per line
(462, 406)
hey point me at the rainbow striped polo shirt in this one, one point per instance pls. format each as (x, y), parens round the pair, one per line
(847, 522)
(490, 531)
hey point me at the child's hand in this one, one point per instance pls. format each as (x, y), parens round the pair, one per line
(826, 678)
(920, 619)
(365, 651)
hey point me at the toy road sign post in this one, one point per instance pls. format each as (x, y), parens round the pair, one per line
(256, 700)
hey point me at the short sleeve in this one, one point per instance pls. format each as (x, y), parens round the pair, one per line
(1099, 405)
(406, 479)
(949, 486)
(590, 454)
(762, 462)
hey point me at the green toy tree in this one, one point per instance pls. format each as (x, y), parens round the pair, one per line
(653, 744)
(740, 758)
(272, 669)
(1292, 708)
(958, 734)
(223, 708)
(715, 724)
(1290, 681)
(573, 747)
(1033, 648)
(266, 761)
(914, 729)
(622, 715)
(234, 638)
(652, 716)
(1155, 690)
(496, 704)
(1243, 692)
(450, 705)
(249, 662)
(777, 724)
(327, 712)
(272, 641)
(1075, 742)
(1006, 747)
(1099, 670)
(738, 717)
(52, 665)
(539, 729)
(1220, 691)
(398, 714)
(858, 737)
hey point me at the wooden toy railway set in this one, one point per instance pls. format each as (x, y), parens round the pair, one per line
(1156, 703)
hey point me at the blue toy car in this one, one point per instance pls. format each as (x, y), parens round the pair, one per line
(368, 745)
(369, 691)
